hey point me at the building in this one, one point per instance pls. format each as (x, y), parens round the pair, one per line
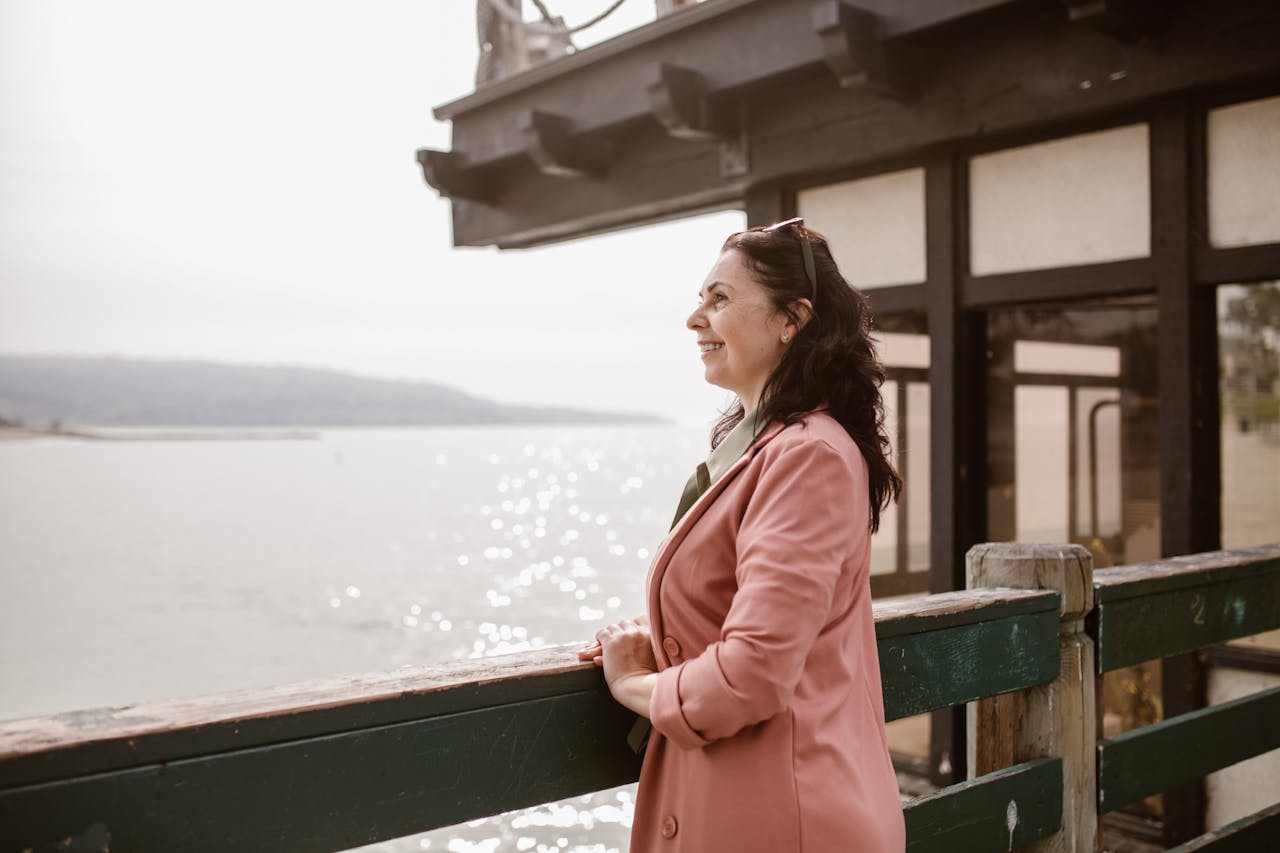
(1067, 215)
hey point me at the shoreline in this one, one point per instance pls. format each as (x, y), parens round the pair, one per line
(9, 433)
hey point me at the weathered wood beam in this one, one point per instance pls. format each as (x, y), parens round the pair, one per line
(999, 811)
(1084, 281)
(1126, 20)
(854, 48)
(554, 148)
(1020, 70)
(739, 45)
(1258, 831)
(338, 791)
(946, 660)
(45, 748)
(1154, 758)
(1242, 263)
(678, 99)
(1146, 612)
(1058, 719)
(332, 764)
(446, 173)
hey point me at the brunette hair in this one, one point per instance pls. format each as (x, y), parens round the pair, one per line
(832, 360)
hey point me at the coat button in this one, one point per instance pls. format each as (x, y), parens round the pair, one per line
(671, 646)
(669, 826)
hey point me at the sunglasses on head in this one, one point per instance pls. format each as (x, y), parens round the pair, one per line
(807, 250)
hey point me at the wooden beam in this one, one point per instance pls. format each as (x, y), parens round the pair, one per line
(738, 45)
(1154, 758)
(448, 175)
(42, 749)
(1126, 20)
(1087, 281)
(766, 204)
(951, 412)
(1003, 810)
(897, 298)
(1187, 376)
(854, 49)
(1189, 571)
(802, 123)
(1240, 265)
(336, 763)
(1258, 831)
(342, 790)
(552, 145)
(1059, 719)
(1145, 613)
(678, 100)
(952, 664)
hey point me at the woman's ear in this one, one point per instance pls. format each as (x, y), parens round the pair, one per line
(802, 312)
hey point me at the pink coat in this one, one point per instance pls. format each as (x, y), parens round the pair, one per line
(768, 720)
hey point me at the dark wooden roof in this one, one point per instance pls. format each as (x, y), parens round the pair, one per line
(692, 111)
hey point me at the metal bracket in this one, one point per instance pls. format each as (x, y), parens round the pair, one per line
(551, 144)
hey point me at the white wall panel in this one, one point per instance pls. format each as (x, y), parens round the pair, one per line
(1077, 200)
(875, 226)
(1244, 173)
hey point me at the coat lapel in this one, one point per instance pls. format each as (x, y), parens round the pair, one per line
(678, 533)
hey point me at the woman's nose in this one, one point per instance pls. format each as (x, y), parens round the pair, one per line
(696, 320)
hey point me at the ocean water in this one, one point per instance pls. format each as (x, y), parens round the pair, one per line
(138, 570)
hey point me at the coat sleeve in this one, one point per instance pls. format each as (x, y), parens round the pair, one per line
(797, 532)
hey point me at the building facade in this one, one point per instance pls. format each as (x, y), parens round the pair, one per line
(1067, 216)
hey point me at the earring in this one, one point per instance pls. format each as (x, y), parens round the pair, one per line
(786, 336)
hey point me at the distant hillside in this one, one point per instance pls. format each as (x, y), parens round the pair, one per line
(126, 392)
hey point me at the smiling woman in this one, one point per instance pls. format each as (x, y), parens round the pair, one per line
(741, 335)
(756, 664)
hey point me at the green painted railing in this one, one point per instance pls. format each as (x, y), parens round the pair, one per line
(327, 765)
(1153, 610)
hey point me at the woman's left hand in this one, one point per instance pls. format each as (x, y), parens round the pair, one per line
(625, 651)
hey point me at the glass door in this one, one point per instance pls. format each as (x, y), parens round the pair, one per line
(1073, 449)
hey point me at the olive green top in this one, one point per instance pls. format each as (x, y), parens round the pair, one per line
(727, 452)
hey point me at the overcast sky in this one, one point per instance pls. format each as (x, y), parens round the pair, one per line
(236, 181)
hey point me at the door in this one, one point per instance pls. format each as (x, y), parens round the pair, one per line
(1072, 448)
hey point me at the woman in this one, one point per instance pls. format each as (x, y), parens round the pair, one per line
(757, 664)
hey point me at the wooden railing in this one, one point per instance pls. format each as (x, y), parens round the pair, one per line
(327, 765)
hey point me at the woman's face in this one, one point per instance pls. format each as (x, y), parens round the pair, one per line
(739, 330)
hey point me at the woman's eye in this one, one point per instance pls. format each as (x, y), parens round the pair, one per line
(718, 298)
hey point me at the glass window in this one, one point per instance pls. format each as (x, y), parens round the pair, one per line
(875, 225)
(1249, 389)
(1249, 394)
(1073, 429)
(1072, 451)
(900, 549)
(1079, 200)
(1244, 173)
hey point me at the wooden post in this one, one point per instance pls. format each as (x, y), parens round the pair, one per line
(1055, 719)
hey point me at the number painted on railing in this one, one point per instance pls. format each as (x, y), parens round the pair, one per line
(1197, 608)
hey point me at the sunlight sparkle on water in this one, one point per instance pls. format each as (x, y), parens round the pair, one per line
(545, 537)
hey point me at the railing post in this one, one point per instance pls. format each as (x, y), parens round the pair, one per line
(1056, 719)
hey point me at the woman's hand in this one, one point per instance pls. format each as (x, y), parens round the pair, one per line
(625, 651)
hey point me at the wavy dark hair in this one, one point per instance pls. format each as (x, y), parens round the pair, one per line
(832, 360)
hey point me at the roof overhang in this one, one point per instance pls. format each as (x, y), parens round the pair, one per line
(691, 112)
